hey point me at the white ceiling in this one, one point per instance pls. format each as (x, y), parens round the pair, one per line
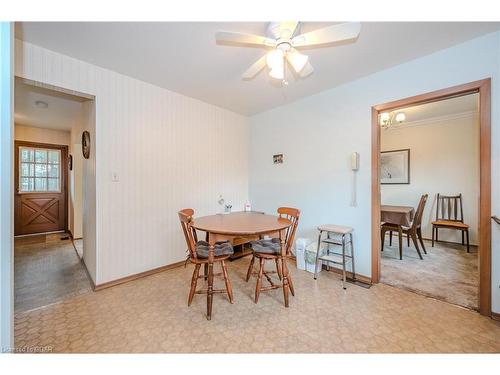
(184, 57)
(61, 113)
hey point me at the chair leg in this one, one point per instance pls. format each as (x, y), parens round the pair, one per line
(419, 234)
(290, 283)
(286, 284)
(205, 271)
(194, 281)
(278, 268)
(400, 238)
(463, 240)
(259, 279)
(390, 238)
(210, 289)
(382, 238)
(414, 238)
(467, 237)
(250, 268)
(408, 239)
(437, 234)
(433, 229)
(229, 288)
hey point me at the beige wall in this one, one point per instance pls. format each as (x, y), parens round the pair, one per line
(444, 158)
(87, 196)
(76, 180)
(31, 134)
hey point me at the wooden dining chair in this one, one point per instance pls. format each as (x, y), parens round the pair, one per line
(198, 255)
(450, 215)
(270, 249)
(414, 231)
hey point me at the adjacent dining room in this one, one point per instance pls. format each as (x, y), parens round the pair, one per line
(429, 170)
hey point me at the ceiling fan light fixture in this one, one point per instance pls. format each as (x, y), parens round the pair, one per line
(277, 73)
(297, 60)
(284, 36)
(274, 59)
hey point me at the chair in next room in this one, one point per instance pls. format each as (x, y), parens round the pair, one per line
(450, 215)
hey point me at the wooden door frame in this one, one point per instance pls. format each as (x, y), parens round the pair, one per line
(483, 88)
(64, 173)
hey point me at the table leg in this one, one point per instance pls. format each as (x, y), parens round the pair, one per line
(400, 235)
(286, 286)
(210, 290)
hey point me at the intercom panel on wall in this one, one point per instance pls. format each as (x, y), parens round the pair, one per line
(354, 161)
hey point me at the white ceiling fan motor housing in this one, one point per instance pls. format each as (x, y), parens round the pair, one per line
(279, 30)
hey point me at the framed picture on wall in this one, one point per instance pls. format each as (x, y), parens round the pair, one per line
(395, 167)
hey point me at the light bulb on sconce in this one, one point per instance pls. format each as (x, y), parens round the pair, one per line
(400, 117)
(384, 117)
(389, 119)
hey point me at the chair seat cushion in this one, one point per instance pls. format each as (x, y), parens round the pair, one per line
(340, 229)
(221, 248)
(450, 223)
(271, 246)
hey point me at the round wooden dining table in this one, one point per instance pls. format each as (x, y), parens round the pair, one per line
(226, 227)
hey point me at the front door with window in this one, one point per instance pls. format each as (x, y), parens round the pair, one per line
(40, 194)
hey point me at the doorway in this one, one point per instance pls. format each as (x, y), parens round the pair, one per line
(49, 197)
(483, 89)
(432, 151)
(41, 179)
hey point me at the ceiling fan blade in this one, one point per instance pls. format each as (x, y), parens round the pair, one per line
(255, 68)
(335, 33)
(306, 70)
(242, 38)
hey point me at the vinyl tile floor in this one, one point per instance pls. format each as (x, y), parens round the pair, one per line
(151, 315)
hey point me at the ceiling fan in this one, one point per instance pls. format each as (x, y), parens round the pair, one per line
(285, 40)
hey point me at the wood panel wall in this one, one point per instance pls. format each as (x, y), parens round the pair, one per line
(169, 151)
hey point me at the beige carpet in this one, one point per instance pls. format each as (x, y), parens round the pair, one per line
(47, 269)
(447, 272)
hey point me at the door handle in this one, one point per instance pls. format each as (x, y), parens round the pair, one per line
(497, 220)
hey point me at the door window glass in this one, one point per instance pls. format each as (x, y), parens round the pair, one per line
(39, 170)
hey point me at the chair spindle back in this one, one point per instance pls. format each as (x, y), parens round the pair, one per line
(417, 221)
(293, 215)
(186, 218)
(449, 208)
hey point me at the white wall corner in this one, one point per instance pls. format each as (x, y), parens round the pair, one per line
(6, 188)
